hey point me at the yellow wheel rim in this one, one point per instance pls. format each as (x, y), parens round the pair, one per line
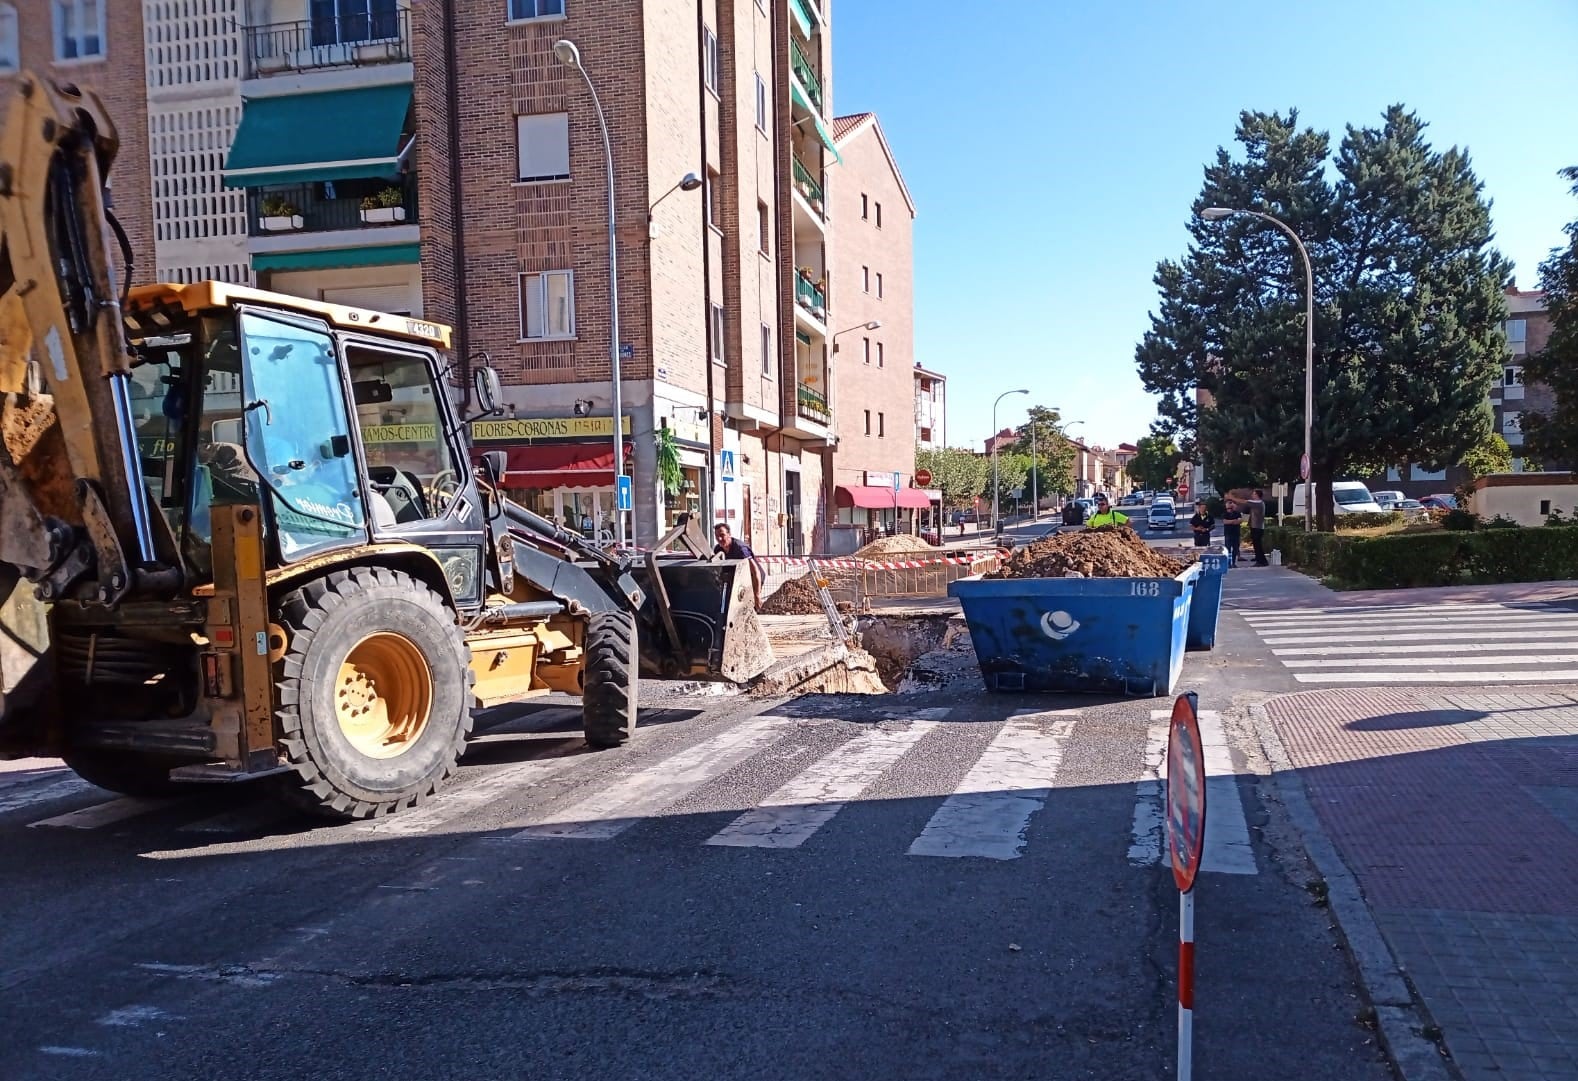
(384, 695)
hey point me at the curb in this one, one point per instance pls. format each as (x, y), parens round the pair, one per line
(1400, 1017)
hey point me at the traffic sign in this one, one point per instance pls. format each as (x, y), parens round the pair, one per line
(1185, 792)
(898, 479)
(726, 465)
(923, 476)
(1304, 467)
(625, 500)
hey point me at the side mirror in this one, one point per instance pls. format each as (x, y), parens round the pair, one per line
(485, 381)
(494, 463)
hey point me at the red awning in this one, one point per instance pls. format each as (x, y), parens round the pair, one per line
(870, 497)
(557, 465)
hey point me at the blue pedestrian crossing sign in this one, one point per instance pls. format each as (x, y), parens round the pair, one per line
(898, 479)
(625, 500)
(726, 465)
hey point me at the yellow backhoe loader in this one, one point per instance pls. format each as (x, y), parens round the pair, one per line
(245, 535)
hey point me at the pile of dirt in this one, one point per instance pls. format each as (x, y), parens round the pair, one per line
(899, 545)
(1095, 553)
(796, 597)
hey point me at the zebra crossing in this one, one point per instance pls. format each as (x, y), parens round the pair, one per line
(1004, 803)
(1479, 643)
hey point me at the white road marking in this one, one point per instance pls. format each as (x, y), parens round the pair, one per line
(64, 789)
(1260, 614)
(661, 783)
(1150, 818)
(1559, 675)
(450, 805)
(788, 817)
(101, 814)
(132, 1016)
(1434, 636)
(989, 813)
(1418, 662)
(69, 1052)
(1379, 650)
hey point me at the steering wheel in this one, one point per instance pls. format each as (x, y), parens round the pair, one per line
(443, 489)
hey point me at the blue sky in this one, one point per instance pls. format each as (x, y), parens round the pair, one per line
(1053, 149)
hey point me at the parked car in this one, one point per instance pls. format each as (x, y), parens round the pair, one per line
(1409, 508)
(1385, 499)
(1348, 497)
(1161, 517)
(1440, 501)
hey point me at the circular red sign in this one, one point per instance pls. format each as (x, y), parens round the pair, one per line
(923, 477)
(1185, 792)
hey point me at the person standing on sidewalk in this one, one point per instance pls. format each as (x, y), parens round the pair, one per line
(1257, 527)
(1232, 537)
(1202, 524)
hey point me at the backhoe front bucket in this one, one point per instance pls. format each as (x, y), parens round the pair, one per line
(712, 613)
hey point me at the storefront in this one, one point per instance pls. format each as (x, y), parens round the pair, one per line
(687, 440)
(560, 467)
(878, 509)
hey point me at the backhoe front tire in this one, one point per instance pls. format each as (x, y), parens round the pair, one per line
(130, 773)
(608, 694)
(374, 693)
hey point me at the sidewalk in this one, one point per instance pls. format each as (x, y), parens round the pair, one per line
(1284, 588)
(1457, 813)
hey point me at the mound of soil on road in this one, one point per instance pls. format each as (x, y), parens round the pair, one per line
(796, 597)
(1095, 553)
(885, 546)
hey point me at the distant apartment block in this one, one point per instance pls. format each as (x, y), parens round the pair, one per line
(931, 408)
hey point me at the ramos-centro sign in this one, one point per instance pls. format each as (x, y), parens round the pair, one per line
(519, 430)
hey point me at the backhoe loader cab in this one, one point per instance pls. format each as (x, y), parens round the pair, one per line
(241, 533)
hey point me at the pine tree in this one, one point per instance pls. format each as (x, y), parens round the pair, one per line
(1408, 304)
(1554, 436)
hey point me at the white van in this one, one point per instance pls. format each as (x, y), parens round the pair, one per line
(1350, 496)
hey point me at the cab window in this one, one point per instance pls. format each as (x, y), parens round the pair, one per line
(410, 467)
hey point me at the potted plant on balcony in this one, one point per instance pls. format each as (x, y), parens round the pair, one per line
(277, 214)
(387, 206)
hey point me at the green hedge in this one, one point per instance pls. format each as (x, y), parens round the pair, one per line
(1455, 558)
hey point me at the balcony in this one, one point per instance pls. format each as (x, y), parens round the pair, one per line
(803, 70)
(811, 405)
(378, 36)
(805, 182)
(331, 207)
(811, 299)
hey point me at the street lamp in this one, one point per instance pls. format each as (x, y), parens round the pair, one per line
(688, 182)
(1217, 213)
(875, 324)
(1000, 397)
(570, 56)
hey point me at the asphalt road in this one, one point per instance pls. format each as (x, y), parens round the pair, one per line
(828, 888)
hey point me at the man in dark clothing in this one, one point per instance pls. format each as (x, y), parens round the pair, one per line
(1257, 527)
(1201, 524)
(730, 548)
(1232, 523)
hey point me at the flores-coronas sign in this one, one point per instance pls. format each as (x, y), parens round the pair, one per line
(502, 431)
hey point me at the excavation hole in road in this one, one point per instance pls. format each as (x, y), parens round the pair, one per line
(917, 652)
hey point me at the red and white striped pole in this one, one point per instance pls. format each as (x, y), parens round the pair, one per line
(1185, 985)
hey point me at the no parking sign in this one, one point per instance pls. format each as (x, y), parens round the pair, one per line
(1185, 845)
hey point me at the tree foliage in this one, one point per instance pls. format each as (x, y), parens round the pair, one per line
(1408, 304)
(1157, 460)
(959, 474)
(1555, 435)
(1493, 455)
(1054, 454)
(1013, 471)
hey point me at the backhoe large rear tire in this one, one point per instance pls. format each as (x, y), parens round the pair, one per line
(131, 773)
(608, 695)
(374, 693)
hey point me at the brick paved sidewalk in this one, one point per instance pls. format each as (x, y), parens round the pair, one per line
(1458, 814)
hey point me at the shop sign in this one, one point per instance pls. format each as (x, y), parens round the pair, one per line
(522, 428)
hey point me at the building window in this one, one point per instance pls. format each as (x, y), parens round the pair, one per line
(882, 425)
(717, 334)
(1512, 375)
(767, 349)
(1517, 331)
(865, 206)
(10, 40)
(868, 421)
(879, 284)
(761, 104)
(79, 29)
(1511, 423)
(547, 305)
(710, 197)
(867, 343)
(714, 60)
(344, 22)
(882, 361)
(879, 215)
(542, 146)
(1545, 504)
(521, 10)
(865, 279)
(764, 226)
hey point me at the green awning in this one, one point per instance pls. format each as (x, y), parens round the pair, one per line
(802, 17)
(338, 258)
(332, 135)
(800, 99)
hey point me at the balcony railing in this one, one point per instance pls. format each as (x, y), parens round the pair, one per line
(806, 184)
(324, 207)
(809, 297)
(806, 73)
(380, 36)
(812, 405)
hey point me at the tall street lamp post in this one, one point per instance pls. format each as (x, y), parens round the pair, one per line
(570, 56)
(1217, 213)
(1000, 397)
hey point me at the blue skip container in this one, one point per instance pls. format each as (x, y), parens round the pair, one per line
(1207, 603)
(1098, 635)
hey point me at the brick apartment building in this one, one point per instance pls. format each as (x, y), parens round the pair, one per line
(873, 465)
(931, 409)
(438, 160)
